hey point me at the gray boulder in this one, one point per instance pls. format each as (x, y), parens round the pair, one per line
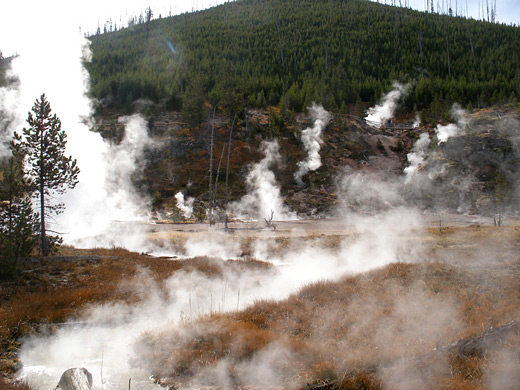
(75, 379)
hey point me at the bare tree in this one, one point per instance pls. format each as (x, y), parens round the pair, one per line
(269, 221)
(211, 196)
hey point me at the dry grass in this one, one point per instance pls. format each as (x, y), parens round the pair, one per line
(388, 328)
(371, 331)
(6, 385)
(51, 291)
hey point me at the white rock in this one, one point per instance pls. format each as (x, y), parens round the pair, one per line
(75, 379)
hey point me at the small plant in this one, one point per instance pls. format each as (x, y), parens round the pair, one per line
(157, 200)
(200, 214)
(398, 148)
(380, 145)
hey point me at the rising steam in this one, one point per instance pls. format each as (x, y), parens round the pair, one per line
(311, 138)
(8, 119)
(103, 341)
(417, 156)
(384, 111)
(185, 205)
(452, 129)
(263, 195)
(104, 193)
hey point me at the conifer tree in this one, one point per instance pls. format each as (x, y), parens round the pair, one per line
(48, 170)
(17, 220)
(192, 110)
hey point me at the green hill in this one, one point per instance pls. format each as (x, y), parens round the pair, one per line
(291, 53)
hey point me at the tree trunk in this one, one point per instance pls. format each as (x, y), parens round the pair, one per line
(43, 237)
(227, 164)
(215, 188)
(211, 221)
(227, 170)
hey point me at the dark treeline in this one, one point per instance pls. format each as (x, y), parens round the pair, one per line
(292, 53)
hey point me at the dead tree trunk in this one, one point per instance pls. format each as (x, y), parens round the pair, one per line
(227, 170)
(211, 205)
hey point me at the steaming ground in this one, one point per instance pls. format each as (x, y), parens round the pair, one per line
(385, 231)
(106, 209)
(107, 337)
(301, 253)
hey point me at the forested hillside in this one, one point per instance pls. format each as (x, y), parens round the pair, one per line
(257, 53)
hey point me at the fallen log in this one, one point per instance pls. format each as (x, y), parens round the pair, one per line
(493, 337)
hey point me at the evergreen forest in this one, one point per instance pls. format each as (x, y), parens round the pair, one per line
(290, 53)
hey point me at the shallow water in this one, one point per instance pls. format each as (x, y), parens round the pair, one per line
(103, 349)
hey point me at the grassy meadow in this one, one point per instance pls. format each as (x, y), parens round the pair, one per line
(396, 326)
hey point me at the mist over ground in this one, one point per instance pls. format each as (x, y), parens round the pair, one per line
(339, 283)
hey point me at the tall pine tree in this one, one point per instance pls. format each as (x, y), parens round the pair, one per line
(49, 171)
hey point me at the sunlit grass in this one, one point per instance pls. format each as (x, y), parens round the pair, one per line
(348, 333)
(352, 332)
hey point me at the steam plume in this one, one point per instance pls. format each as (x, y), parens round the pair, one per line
(8, 119)
(263, 195)
(104, 192)
(311, 138)
(384, 111)
(186, 206)
(416, 121)
(106, 334)
(452, 129)
(417, 156)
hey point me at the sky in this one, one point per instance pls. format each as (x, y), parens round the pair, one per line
(21, 20)
(65, 16)
(508, 11)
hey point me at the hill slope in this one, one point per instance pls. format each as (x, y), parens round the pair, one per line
(295, 52)
(476, 171)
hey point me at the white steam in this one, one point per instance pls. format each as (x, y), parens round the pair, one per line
(105, 343)
(263, 196)
(215, 245)
(104, 192)
(311, 138)
(383, 194)
(103, 340)
(384, 111)
(185, 205)
(417, 121)
(417, 156)
(54, 68)
(452, 129)
(502, 373)
(8, 119)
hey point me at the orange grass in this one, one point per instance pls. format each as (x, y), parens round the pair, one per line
(361, 332)
(6, 385)
(348, 333)
(53, 290)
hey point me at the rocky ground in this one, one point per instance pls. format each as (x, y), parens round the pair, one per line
(179, 161)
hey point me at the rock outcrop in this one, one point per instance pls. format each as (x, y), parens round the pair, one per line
(75, 379)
